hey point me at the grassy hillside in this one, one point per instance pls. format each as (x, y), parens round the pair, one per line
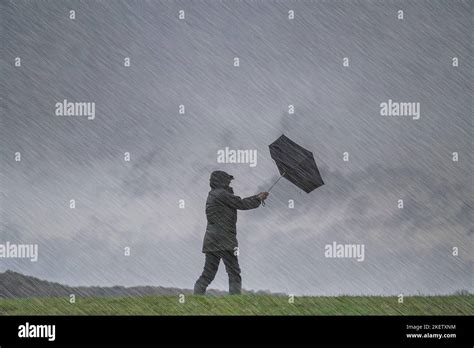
(240, 305)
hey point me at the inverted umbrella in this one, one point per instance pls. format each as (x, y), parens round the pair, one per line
(296, 164)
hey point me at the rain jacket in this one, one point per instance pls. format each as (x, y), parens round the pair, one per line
(221, 212)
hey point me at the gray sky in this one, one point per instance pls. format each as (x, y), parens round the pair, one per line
(282, 62)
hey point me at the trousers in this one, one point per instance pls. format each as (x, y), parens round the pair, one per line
(211, 266)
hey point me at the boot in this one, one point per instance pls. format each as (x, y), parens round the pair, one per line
(199, 289)
(235, 287)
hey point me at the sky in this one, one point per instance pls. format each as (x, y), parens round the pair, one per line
(283, 62)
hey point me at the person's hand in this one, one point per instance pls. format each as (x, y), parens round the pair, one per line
(263, 196)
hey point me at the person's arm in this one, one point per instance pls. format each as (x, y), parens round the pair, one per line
(248, 203)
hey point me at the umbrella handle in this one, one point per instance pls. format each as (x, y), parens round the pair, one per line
(281, 176)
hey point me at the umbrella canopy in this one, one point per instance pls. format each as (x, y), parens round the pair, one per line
(296, 164)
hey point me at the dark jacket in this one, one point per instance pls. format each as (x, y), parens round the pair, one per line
(221, 212)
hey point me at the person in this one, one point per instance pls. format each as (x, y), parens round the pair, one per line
(220, 239)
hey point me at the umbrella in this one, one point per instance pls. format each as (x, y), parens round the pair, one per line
(295, 164)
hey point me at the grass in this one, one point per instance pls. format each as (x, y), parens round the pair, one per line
(240, 305)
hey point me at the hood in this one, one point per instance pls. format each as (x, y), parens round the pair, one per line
(220, 179)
